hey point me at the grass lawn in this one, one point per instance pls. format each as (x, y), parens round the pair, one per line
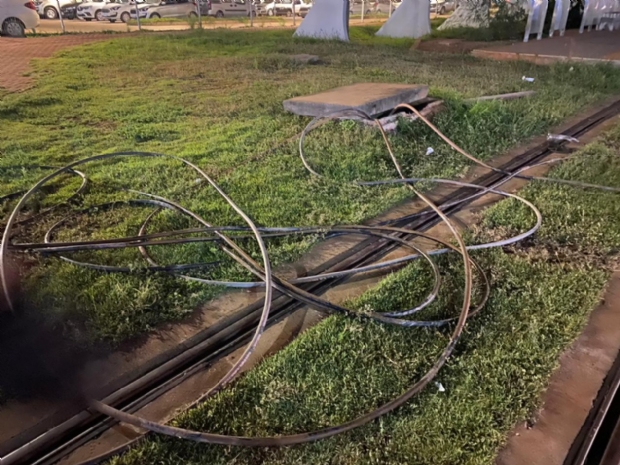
(542, 293)
(215, 97)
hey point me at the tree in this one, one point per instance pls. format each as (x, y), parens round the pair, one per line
(469, 13)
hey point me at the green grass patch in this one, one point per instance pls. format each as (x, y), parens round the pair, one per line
(343, 367)
(215, 97)
(576, 221)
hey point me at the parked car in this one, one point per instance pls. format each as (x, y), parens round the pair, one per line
(369, 7)
(48, 9)
(441, 7)
(221, 8)
(69, 10)
(16, 16)
(167, 9)
(92, 9)
(259, 7)
(121, 11)
(285, 8)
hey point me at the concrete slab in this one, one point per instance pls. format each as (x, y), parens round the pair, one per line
(572, 390)
(373, 98)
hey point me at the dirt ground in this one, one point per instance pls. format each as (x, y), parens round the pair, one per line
(450, 45)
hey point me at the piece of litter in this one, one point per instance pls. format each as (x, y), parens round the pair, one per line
(572, 69)
(390, 127)
(430, 151)
(198, 180)
(440, 387)
(528, 79)
(557, 138)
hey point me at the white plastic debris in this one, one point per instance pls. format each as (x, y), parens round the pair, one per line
(558, 138)
(572, 69)
(440, 387)
(430, 151)
(527, 79)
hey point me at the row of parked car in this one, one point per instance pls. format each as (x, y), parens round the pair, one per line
(124, 10)
(17, 16)
(383, 6)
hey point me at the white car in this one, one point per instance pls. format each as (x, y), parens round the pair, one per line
(142, 8)
(121, 11)
(285, 8)
(49, 8)
(92, 9)
(441, 7)
(17, 16)
(169, 9)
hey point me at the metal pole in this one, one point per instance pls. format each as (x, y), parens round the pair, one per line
(138, 14)
(199, 13)
(62, 21)
(251, 13)
(363, 8)
(294, 13)
(390, 13)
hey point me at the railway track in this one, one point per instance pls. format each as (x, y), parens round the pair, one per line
(598, 441)
(52, 441)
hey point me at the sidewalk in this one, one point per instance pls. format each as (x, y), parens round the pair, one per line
(589, 47)
(16, 55)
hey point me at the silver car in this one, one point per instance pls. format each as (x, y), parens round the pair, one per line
(122, 11)
(92, 9)
(369, 7)
(441, 7)
(167, 9)
(49, 8)
(221, 8)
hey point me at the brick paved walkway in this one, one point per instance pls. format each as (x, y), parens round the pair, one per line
(16, 54)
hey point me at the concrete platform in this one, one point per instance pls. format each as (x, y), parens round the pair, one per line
(373, 98)
(590, 47)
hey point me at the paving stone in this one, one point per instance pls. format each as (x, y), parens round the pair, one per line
(16, 54)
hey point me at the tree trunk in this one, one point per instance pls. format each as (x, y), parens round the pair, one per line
(412, 19)
(469, 13)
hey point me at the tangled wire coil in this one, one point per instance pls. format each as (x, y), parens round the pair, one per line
(268, 280)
